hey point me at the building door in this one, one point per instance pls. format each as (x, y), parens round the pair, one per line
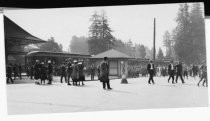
(113, 68)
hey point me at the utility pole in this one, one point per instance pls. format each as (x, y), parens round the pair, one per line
(154, 53)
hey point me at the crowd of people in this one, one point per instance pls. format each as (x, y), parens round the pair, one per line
(14, 71)
(134, 72)
(68, 71)
(75, 71)
(178, 71)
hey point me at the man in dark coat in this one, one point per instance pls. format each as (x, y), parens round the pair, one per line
(37, 69)
(171, 71)
(151, 71)
(104, 73)
(43, 72)
(179, 72)
(9, 73)
(63, 72)
(49, 72)
(194, 70)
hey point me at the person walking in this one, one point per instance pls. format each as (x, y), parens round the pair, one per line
(179, 72)
(151, 71)
(171, 72)
(104, 73)
(194, 70)
(203, 78)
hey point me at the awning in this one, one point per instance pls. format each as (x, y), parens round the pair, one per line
(16, 35)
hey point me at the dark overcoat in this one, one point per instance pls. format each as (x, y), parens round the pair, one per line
(104, 72)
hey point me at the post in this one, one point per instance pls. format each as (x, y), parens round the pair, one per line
(154, 53)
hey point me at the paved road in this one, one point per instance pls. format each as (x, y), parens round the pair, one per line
(28, 98)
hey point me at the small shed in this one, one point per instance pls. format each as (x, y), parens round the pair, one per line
(118, 62)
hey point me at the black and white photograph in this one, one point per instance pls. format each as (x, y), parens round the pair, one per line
(107, 58)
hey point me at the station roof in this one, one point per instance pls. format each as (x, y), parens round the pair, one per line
(16, 35)
(56, 54)
(112, 54)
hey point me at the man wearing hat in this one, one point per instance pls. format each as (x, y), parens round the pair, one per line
(151, 71)
(104, 73)
(179, 72)
(171, 71)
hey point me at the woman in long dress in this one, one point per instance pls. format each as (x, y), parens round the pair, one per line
(75, 73)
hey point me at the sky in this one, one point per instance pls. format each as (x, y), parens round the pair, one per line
(134, 22)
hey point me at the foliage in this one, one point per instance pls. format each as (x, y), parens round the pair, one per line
(142, 51)
(168, 43)
(188, 38)
(100, 37)
(51, 46)
(79, 45)
(160, 55)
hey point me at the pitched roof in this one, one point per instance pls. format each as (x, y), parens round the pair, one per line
(112, 54)
(17, 35)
